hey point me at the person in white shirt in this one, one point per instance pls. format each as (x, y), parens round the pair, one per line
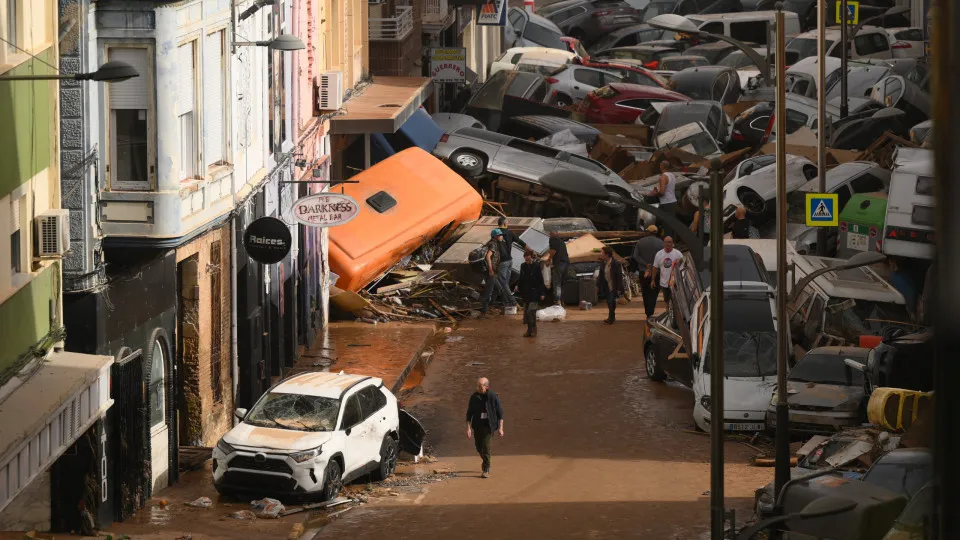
(666, 190)
(663, 265)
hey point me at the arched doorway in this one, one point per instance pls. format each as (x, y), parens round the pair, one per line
(158, 362)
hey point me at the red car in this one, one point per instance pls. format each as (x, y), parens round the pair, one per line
(631, 74)
(621, 103)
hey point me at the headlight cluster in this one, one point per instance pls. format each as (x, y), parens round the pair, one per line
(306, 455)
(225, 448)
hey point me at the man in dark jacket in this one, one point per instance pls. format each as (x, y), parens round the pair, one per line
(532, 290)
(484, 417)
(610, 281)
(508, 236)
(644, 252)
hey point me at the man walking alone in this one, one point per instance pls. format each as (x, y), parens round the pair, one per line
(484, 417)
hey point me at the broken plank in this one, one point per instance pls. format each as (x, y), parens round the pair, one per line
(443, 311)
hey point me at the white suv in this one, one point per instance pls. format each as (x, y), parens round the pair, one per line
(308, 435)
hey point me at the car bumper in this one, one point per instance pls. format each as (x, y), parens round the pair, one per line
(816, 421)
(240, 471)
(745, 421)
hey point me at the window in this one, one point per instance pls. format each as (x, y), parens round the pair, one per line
(517, 20)
(750, 31)
(18, 207)
(10, 24)
(516, 58)
(216, 323)
(539, 92)
(924, 185)
(826, 369)
(352, 414)
(187, 112)
(585, 163)
(131, 116)
(867, 183)
(640, 104)
(844, 196)
(589, 77)
(214, 100)
(294, 411)
(712, 28)
(371, 400)
(910, 34)
(158, 388)
(922, 215)
(568, 14)
(720, 86)
(544, 36)
(795, 120)
(531, 148)
(760, 123)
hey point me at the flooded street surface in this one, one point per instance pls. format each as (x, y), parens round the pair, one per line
(592, 448)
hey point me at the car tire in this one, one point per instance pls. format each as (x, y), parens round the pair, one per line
(332, 480)
(388, 459)
(654, 373)
(467, 163)
(752, 201)
(226, 493)
(563, 101)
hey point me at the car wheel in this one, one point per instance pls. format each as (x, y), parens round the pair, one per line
(388, 459)
(226, 493)
(332, 480)
(751, 200)
(467, 163)
(650, 360)
(563, 101)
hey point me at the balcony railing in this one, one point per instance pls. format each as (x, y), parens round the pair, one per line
(437, 15)
(395, 28)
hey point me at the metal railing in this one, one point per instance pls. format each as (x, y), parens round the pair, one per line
(435, 10)
(395, 28)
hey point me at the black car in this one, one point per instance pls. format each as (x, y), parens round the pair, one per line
(590, 20)
(681, 113)
(510, 93)
(750, 127)
(713, 83)
(537, 127)
(631, 35)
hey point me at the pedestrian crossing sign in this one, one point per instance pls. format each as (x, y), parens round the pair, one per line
(853, 12)
(822, 210)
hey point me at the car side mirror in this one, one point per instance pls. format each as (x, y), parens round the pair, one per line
(348, 430)
(240, 413)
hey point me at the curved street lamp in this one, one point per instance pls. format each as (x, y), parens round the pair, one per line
(679, 23)
(822, 507)
(112, 71)
(283, 42)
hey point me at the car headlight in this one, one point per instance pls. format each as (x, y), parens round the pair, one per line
(306, 455)
(705, 402)
(225, 448)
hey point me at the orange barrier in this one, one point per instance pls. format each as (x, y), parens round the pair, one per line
(405, 200)
(895, 409)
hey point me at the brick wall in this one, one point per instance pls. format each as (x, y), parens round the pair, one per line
(204, 265)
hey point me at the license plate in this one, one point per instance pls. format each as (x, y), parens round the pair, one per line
(745, 426)
(623, 18)
(857, 241)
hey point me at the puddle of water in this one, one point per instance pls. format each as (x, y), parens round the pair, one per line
(415, 378)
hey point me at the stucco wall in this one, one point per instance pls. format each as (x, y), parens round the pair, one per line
(30, 510)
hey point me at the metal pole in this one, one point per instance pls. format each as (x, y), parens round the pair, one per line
(843, 60)
(822, 129)
(782, 462)
(715, 358)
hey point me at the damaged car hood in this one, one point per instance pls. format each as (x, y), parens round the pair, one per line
(820, 396)
(742, 394)
(275, 439)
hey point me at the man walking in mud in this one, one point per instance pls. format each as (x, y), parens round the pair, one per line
(484, 417)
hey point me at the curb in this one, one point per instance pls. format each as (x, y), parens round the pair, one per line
(402, 378)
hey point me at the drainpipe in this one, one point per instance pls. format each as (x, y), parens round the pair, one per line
(234, 359)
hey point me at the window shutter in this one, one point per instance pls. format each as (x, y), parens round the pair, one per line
(133, 93)
(187, 76)
(213, 98)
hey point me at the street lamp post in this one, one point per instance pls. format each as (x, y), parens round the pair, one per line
(283, 42)
(822, 114)
(110, 72)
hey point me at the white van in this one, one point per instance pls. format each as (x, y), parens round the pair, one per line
(746, 26)
(908, 231)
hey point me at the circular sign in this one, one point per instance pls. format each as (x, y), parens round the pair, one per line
(267, 240)
(325, 209)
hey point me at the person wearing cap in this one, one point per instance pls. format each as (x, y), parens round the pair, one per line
(499, 266)
(644, 253)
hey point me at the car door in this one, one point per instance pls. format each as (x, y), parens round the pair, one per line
(872, 45)
(373, 403)
(585, 80)
(670, 353)
(354, 446)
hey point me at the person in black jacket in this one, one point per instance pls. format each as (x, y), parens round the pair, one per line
(532, 290)
(484, 417)
(610, 281)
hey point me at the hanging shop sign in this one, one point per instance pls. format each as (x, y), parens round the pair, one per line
(325, 209)
(492, 13)
(448, 65)
(267, 240)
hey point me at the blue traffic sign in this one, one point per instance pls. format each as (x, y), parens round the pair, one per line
(822, 210)
(853, 12)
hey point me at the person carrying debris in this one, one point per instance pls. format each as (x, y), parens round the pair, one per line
(559, 262)
(484, 417)
(663, 265)
(742, 228)
(644, 253)
(666, 190)
(499, 266)
(532, 290)
(610, 281)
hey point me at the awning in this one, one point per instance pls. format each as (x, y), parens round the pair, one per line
(43, 416)
(383, 106)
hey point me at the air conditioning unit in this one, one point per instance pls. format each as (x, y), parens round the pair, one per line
(52, 236)
(330, 90)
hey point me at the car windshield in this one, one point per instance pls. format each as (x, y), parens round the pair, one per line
(850, 319)
(749, 338)
(701, 144)
(544, 36)
(736, 60)
(827, 369)
(294, 411)
(674, 117)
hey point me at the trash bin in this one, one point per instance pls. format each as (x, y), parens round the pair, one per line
(861, 224)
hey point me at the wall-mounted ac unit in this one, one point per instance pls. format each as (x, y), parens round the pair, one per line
(52, 236)
(330, 90)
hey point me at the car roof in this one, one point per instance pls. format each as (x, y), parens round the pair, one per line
(917, 161)
(857, 283)
(838, 175)
(738, 266)
(855, 352)
(483, 134)
(704, 71)
(553, 122)
(326, 384)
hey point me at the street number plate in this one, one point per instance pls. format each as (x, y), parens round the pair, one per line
(752, 426)
(857, 241)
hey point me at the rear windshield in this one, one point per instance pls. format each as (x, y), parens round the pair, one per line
(827, 369)
(543, 36)
(860, 82)
(674, 117)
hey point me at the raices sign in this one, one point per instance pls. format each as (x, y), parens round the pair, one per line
(325, 209)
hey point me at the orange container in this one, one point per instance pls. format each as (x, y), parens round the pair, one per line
(405, 200)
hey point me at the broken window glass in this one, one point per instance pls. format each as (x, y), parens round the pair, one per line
(295, 411)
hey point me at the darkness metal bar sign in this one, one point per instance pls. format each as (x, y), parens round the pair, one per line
(325, 209)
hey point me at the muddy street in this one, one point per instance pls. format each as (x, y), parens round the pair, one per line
(592, 449)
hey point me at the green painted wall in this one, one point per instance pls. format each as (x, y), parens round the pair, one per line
(27, 129)
(25, 316)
